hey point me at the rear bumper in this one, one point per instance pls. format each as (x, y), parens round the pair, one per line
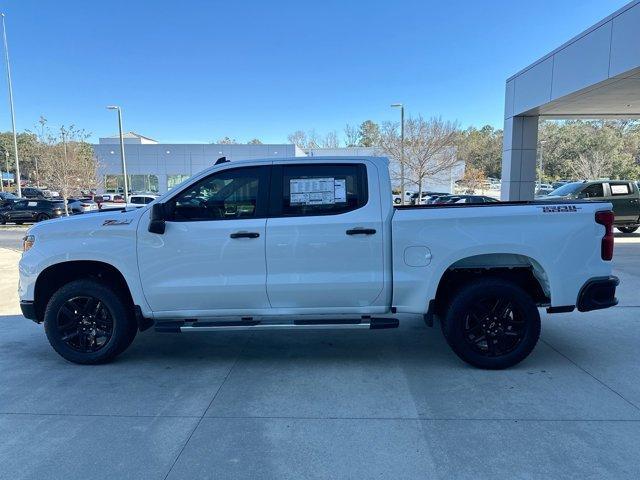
(597, 293)
(29, 310)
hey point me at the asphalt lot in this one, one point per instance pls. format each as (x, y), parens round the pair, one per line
(361, 404)
(11, 236)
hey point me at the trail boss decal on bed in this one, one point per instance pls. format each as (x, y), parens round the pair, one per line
(560, 209)
(112, 222)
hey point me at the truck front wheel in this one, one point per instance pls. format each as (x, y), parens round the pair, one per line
(492, 323)
(87, 322)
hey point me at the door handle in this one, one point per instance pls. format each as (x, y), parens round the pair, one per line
(245, 235)
(361, 231)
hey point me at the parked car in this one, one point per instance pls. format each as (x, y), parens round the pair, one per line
(109, 201)
(7, 198)
(33, 192)
(476, 199)
(432, 199)
(314, 243)
(82, 205)
(623, 195)
(141, 200)
(31, 210)
(426, 196)
(544, 189)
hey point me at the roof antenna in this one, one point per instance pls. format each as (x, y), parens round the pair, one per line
(221, 160)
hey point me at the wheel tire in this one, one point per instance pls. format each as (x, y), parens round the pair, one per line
(123, 323)
(627, 229)
(42, 217)
(397, 201)
(472, 299)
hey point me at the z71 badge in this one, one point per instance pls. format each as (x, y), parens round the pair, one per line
(112, 222)
(560, 209)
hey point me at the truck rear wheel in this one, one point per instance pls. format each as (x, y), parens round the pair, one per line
(492, 323)
(627, 229)
(87, 322)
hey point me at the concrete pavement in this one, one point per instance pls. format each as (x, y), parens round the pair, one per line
(358, 404)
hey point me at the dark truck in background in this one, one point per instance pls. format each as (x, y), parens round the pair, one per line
(623, 195)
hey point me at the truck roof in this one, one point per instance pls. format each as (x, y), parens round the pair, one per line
(314, 159)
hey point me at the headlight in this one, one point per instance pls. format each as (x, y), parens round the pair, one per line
(27, 242)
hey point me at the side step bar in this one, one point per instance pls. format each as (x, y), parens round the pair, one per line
(369, 323)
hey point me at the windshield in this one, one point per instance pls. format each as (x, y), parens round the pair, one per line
(568, 189)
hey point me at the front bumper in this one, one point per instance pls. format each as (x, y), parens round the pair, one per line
(29, 310)
(597, 293)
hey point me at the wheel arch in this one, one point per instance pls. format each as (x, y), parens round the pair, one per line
(55, 276)
(520, 269)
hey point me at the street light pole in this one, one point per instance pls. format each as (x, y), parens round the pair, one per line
(2, 176)
(402, 193)
(66, 163)
(13, 117)
(124, 163)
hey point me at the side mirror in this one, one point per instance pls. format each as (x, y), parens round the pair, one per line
(157, 219)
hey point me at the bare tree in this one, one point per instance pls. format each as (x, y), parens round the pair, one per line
(592, 164)
(298, 138)
(313, 139)
(226, 141)
(68, 163)
(351, 135)
(429, 148)
(331, 140)
(254, 141)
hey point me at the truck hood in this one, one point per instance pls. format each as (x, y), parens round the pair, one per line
(88, 224)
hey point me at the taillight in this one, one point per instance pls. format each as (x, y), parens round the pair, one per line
(606, 218)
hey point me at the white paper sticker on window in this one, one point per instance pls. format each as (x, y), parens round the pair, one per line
(317, 191)
(32, 204)
(619, 189)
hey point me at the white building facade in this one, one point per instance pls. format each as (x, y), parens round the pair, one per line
(157, 167)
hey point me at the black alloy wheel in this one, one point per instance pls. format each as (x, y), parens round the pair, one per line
(84, 324)
(491, 323)
(493, 327)
(88, 321)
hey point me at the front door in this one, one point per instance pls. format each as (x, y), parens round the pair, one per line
(211, 258)
(324, 237)
(22, 211)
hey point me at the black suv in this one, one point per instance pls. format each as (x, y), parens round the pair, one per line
(622, 194)
(31, 210)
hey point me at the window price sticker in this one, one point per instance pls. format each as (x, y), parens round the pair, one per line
(317, 191)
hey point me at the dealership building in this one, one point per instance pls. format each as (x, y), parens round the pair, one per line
(157, 167)
(595, 75)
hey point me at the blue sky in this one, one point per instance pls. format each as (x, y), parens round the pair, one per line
(195, 71)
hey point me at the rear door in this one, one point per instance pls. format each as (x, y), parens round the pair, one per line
(25, 211)
(324, 237)
(624, 198)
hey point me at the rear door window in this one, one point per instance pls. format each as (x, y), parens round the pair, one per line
(622, 188)
(318, 189)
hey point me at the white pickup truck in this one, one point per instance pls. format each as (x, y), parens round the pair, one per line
(314, 244)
